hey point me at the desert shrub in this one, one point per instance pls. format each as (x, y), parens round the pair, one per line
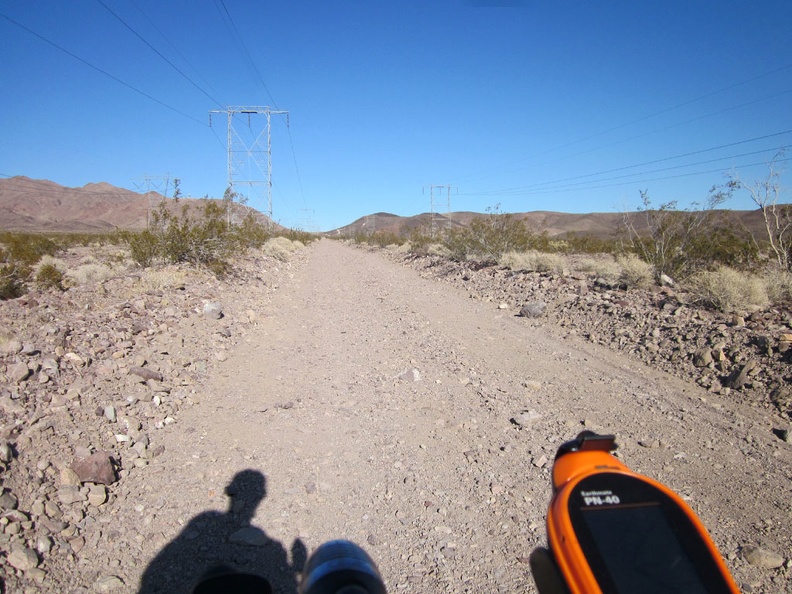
(385, 238)
(634, 273)
(457, 242)
(250, 233)
(304, 237)
(420, 238)
(488, 237)
(728, 290)
(12, 280)
(437, 249)
(679, 243)
(144, 247)
(584, 244)
(26, 248)
(206, 239)
(49, 276)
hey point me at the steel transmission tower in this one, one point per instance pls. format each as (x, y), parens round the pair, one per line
(250, 151)
(152, 183)
(438, 189)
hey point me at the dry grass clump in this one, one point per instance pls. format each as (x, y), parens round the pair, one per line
(438, 249)
(168, 277)
(85, 274)
(729, 290)
(53, 261)
(635, 273)
(779, 287)
(281, 248)
(534, 261)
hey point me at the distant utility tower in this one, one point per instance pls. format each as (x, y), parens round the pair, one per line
(438, 190)
(250, 151)
(306, 220)
(154, 183)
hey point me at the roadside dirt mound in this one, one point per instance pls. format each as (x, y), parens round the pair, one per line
(338, 396)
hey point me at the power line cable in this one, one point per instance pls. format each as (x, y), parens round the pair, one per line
(238, 38)
(104, 72)
(156, 51)
(653, 162)
(570, 185)
(172, 45)
(598, 187)
(296, 168)
(647, 117)
(690, 121)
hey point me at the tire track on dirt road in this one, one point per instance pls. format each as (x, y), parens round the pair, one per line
(378, 405)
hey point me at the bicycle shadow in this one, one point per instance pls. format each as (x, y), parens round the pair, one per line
(214, 542)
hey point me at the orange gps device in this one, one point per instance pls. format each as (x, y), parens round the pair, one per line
(611, 530)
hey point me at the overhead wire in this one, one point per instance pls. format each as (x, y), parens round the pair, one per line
(100, 70)
(541, 189)
(652, 115)
(238, 38)
(156, 51)
(597, 186)
(692, 174)
(173, 46)
(645, 163)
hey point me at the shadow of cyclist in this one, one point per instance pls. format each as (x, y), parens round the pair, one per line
(221, 543)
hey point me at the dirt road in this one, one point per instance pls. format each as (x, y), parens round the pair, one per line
(380, 407)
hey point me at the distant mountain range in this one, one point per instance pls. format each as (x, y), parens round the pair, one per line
(44, 206)
(34, 205)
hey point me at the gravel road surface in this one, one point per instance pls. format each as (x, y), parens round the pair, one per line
(374, 405)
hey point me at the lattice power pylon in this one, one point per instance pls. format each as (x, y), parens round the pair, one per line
(438, 189)
(250, 152)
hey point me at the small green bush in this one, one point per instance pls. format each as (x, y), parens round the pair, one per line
(12, 280)
(144, 247)
(420, 238)
(304, 237)
(49, 276)
(26, 248)
(728, 290)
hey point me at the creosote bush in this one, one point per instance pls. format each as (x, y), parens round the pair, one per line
(49, 276)
(488, 237)
(206, 239)
(12, 280)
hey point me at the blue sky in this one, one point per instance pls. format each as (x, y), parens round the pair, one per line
(530, 105)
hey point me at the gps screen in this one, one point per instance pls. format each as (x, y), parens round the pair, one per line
(641, 551)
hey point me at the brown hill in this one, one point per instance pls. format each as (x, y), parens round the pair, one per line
(33, 205)
(44, 206)
(554, 224)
